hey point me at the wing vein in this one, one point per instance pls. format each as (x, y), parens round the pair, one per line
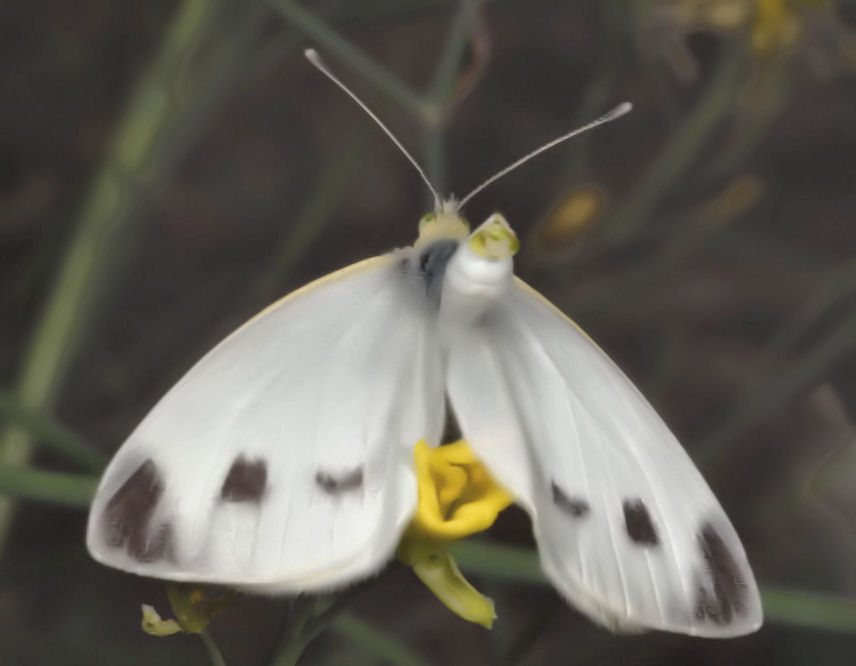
(642, 465)
(648, 475)
(571, 404)
(611, 529)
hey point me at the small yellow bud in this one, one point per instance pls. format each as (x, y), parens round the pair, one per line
(154, 625)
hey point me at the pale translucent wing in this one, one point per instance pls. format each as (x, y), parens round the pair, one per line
(627, 528)
(283, 459)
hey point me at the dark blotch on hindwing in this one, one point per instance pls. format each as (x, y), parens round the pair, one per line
(729, 588)
(573, 506)
(129, 512)
(245, 482)
(337, 485)
(638, 523)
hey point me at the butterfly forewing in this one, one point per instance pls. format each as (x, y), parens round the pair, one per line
(283, 459)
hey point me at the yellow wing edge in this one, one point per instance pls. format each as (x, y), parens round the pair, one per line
(538, 296)
(348, 271)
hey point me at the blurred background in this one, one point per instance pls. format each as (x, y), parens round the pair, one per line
(168, 168)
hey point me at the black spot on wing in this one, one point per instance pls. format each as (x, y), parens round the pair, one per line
(637, 522)
(729, 588)
(245, 482)
(336, 485)
(128, 515)
(573, 506)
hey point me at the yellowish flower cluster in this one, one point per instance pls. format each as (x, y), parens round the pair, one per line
(457, 497)
(193, 610)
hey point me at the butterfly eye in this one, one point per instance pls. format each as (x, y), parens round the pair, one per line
(426, 220)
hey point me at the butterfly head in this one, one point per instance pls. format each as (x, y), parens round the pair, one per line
(442, 225)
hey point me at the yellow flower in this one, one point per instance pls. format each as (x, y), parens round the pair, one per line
(569, 218)
(154, 625)
(776, 26)
(193, 610)
(457, 497)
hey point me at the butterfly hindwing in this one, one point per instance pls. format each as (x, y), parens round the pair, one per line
(283, 459)
(627, 528)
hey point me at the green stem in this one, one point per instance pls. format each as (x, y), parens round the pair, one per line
(453, 49)
(290, 653)
(214, 654)
(165, 112)
(681, 150)
(373, 642)
(780, 388)
(315, 215)
(297, 637)
(130, 151)
(329, 40)
(74, 490)
(515, 563)
(523, 642)
(613, 23)
(311, 617)
(771, 89)
(442, 86)
(435, 159)
(808, 609)
(40, 428)
(805, 609)
(836, 287)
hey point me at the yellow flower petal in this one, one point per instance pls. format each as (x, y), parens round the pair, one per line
(193, 609)
(776, 26)
(441, 575)
(154, 625)
(574, 214)
(457, 497)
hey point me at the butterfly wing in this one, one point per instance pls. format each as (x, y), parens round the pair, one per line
(283, 459)
(627, 528)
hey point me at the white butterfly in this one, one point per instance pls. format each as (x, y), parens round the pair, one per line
(283, 460)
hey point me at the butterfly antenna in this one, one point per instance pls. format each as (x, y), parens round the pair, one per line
(313, 57)
(616, 113)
